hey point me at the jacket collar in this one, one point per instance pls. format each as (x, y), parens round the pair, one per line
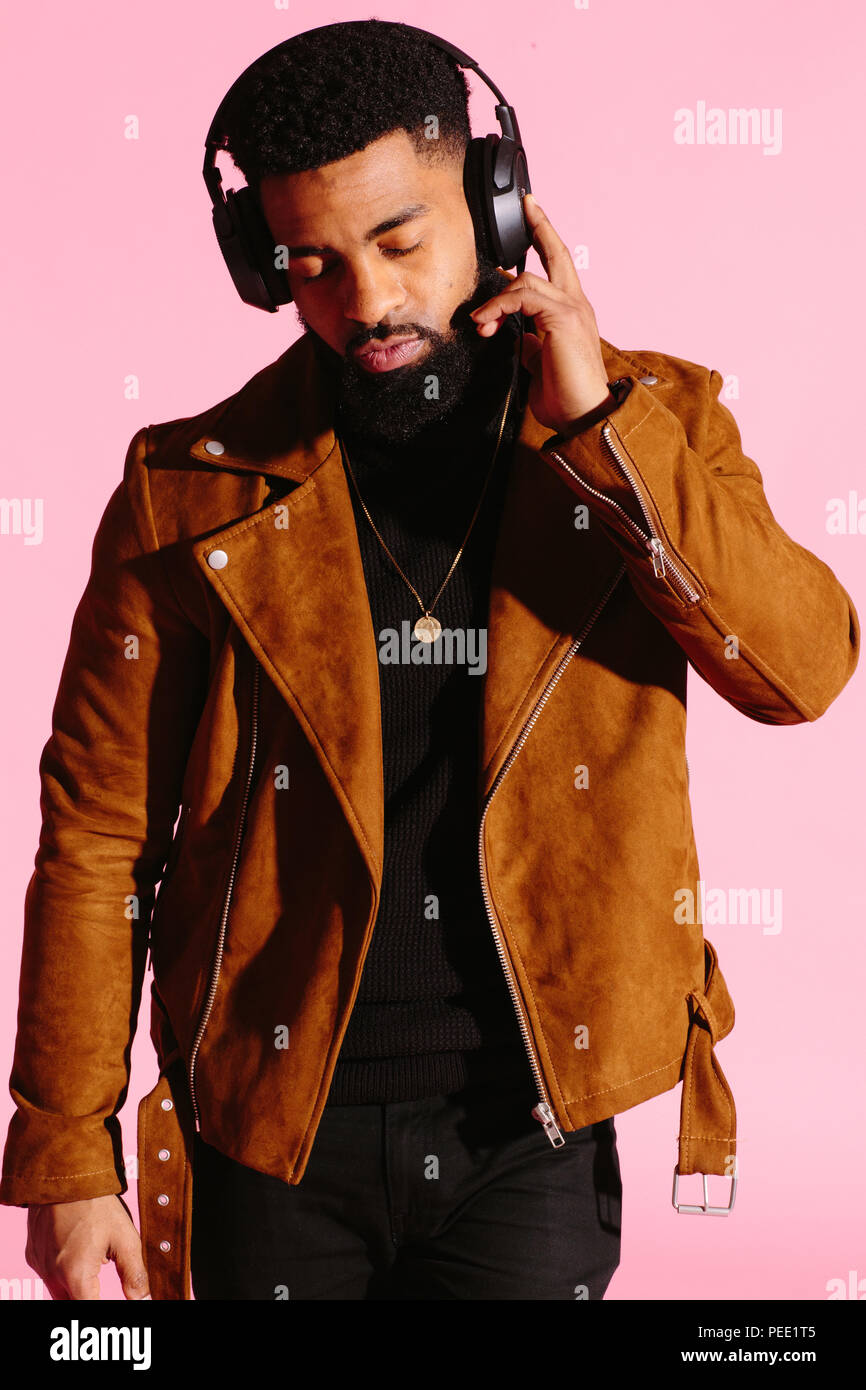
(296, 588)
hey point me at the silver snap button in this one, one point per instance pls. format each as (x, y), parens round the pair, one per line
(163, 1199)
(649, 380)
(213, 446)
(164, 1154)
(217, 559)
(167, 1104)
(165, 1245)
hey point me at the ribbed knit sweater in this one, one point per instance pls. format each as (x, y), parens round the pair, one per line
(433, 1012)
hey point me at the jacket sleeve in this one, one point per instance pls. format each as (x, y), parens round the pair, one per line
(762, 619)
(111, 776)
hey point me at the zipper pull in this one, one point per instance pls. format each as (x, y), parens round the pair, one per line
(543, 1113)
(658, 557)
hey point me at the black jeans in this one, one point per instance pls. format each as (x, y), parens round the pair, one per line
(460, 1196)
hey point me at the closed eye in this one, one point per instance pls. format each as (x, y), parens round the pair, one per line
(386, 251)
(400, 250)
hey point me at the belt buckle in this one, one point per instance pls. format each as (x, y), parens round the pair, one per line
(704, 1210)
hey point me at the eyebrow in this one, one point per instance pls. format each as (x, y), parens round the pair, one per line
(407, 214)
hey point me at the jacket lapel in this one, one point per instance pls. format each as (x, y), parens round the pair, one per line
(293, 580)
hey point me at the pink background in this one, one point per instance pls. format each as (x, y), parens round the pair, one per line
(746, 262)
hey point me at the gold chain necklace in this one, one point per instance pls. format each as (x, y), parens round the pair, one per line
(428, 628)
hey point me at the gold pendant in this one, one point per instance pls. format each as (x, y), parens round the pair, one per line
(428, 628)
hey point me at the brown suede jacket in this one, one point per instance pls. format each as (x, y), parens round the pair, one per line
(217, 733)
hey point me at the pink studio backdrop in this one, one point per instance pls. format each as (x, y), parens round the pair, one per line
(747, 258)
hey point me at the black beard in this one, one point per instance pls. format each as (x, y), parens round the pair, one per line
(392, 408)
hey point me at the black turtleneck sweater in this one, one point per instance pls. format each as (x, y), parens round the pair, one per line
(433, 1012)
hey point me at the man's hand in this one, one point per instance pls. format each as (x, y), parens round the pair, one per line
(564, 358)
(68, 1242)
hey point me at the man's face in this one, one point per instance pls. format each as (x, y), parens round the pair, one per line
(383, 270)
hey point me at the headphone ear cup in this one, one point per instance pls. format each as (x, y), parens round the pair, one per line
(495, 178)
(259, 239)
(247, 245)
(512, 229)
(475, 175)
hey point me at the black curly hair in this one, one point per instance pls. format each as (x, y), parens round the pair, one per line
(334, 90)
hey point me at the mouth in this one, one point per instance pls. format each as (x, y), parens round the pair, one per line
(383, 354)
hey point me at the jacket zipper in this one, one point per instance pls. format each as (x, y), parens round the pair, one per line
(543, 1111)
(652, 540)
(663, 565)
(218, 957)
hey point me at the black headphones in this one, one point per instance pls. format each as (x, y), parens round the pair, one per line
(495, 178)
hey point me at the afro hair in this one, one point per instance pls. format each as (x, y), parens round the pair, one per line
(333, 90)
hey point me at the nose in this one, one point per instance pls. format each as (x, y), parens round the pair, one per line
(371, 292)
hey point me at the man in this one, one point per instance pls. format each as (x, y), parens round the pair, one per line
(402, 628)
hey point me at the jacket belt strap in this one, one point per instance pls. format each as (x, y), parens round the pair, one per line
(708, 1118)
(165, 1136)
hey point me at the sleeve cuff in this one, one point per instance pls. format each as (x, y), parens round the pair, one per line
(617, 392)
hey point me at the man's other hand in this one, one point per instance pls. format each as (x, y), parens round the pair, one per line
(69, 1242)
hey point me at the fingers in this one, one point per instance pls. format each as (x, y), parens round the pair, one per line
(528, 293)
(552, 250)
(126, 1252)
(58, 1291)
(75, 1279)
(68, 1243)
(135, 1285)
(64, 1250)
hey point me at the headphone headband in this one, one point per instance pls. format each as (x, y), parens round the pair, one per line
(495, 178)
